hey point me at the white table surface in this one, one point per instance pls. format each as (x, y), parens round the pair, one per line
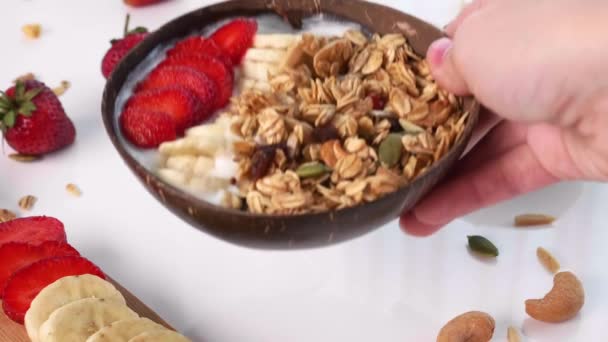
(385, 286)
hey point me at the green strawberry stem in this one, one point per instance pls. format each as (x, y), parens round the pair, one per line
(19, 104)
(126, 31)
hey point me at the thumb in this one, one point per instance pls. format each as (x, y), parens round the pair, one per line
(444, 69)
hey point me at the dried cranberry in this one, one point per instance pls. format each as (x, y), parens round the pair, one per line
(379, 101)
(325, 133)
(261, 161)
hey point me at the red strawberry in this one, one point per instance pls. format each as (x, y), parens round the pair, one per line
(33, 230)
(120, 47)
(26, 283)
(147, 129)
(210, 66)
(198, 46)
(189, 78)
(182, 104)
(141, 3)
(33, 120)
(16, 255)
(236, 37)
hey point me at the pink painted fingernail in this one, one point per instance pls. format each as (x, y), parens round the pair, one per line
(438, 50)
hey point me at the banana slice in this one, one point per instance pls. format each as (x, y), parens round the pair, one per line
(76, 321)
(160, 336)
(206, 130)
(258, 70)
(193, 145)
(64, 291)
(124, 330)
(181, 163)
(265, 55)
(173, 177)
(274, 40)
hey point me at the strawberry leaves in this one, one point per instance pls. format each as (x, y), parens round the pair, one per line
(21, 103)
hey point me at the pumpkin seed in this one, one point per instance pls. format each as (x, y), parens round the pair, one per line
(482, 245)
(409, 127)
(312, 169)
(390, 150)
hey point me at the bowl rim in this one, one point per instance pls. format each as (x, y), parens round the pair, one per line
(108, 113)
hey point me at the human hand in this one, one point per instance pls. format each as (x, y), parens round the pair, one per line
(542, 67)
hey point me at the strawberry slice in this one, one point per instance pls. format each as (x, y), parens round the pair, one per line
(16, 255)
(146, 128)
(199, 46)
(236, 37)
(179, 102)
(210, 66)
(34, 230)
(189, 78)
(26, 283)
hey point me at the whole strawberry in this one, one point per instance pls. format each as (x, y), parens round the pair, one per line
(120, 47)
(32, 119)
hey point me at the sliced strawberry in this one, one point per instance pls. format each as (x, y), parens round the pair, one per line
(26, 283)
(236, 37)
(33, 230)
(16, 255)
(199, 46)
(197, 82)
(210, 66)
(182, 104)
(147, 129)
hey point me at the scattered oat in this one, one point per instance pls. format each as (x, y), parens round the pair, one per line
(547, 260)
(527, 220)
(27, 202)
(6, 215)
(513, 335)
(73, 190)
(32, 31)
(24, 158)
(62, 88)
(26, 77)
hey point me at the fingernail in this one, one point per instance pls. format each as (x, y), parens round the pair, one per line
(438, 50)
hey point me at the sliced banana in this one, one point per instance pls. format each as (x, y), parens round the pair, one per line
(76, 321)
(258, 70)
(265, 55)
(160, 336)
(124, 330)
(182, 163)
(193, 145)
(64, 291)
(274, 40)
(173, 177)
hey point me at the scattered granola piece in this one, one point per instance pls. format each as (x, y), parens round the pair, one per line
(24, 158)
(7, 215)
(27, 202)
(527, 220)
(513, 335)
(73, 190)
(547, 260)
(32, 31)
(26, 77)
(61, 88)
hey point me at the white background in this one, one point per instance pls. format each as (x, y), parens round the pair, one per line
(385, 286)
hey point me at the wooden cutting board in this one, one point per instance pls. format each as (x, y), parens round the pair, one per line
(13, 332)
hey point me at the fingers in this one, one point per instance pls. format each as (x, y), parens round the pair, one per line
(444, 68)
(469, 9)
(516, 172)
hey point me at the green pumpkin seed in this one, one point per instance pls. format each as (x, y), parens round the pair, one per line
(482, 245)
(312, 169)
(409, 127)
(390, 150)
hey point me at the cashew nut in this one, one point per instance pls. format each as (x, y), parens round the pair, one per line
(472, 326)
(563, 302)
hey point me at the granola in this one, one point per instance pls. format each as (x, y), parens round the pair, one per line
(345, 121)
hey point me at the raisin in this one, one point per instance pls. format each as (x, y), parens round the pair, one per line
(395, 125)
(261, 161)
(325, 133)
